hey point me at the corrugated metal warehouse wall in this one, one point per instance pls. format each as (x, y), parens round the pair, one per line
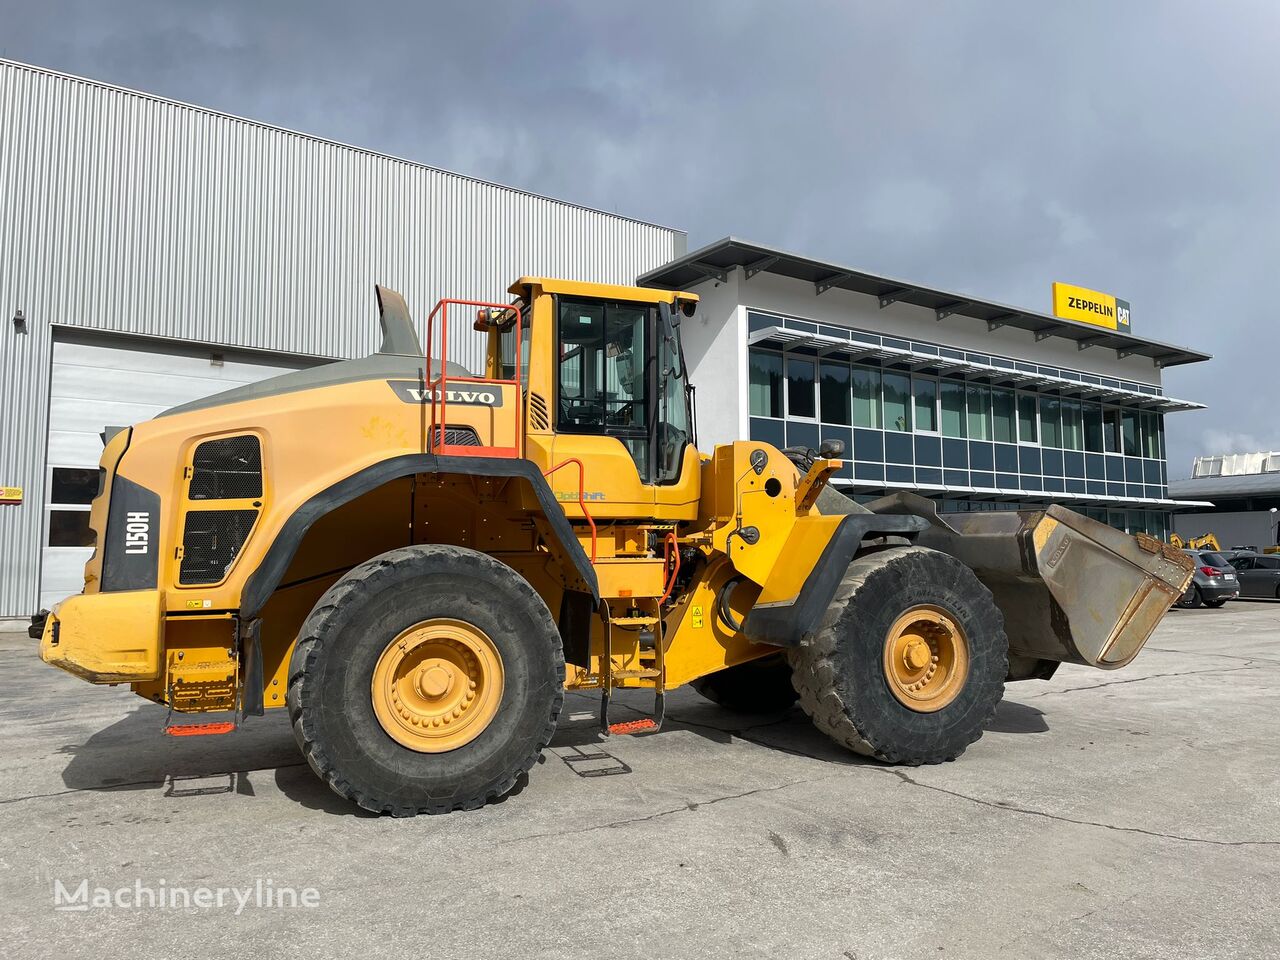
(128, 213)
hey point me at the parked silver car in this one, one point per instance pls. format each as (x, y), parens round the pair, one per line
(1259, 574)
(1214, 582)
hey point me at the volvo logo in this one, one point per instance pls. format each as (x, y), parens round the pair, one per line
(466, 394)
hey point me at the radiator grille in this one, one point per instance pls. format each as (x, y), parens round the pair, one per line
(458, 437)
(227, 469)
(211, 539)
(538, 418)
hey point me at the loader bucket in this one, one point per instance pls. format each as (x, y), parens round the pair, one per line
(1071, 589)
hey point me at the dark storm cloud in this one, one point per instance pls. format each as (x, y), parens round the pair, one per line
(984, 147)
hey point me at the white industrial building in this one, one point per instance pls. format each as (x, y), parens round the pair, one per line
(155, 252)
(1239, 496)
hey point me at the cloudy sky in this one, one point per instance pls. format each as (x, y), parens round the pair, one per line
(986, 147)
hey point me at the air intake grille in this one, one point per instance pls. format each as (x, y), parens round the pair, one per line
(458, 437)
(210, 541)
(227, 469)
(538, 413)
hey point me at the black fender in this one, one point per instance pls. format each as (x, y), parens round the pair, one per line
(263, 581)
(792, 624)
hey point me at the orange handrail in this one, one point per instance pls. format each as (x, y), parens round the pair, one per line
(438, 387)
(582, 495)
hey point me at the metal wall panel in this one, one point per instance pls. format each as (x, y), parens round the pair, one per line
(127, 213)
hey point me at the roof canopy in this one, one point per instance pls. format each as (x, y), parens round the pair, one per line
(718, 259)
(991, 372)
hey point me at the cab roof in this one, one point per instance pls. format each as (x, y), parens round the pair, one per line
(598, 291)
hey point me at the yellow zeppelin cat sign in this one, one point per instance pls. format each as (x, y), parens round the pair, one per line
(1090, 306)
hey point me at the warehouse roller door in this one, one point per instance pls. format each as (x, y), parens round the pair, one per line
(101, 383)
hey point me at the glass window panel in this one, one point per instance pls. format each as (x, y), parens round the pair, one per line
(74, 485)
(1072, 425)
(1027, 426)
(1111, 430)
(766, 384)
(69, 528)
(952, 408)
(800, 388)
(1129, 432)
(897, 401)
(1093, 428)
(1002, 416)
(866, 397)
(1051, 421)
(835, 393)
(925, 403)
(1150, 435)
(979, 412)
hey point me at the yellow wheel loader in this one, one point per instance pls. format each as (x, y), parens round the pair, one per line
(416, 560)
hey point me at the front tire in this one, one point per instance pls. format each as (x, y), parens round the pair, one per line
(909, 663)
(426, 680)
(1214, 604)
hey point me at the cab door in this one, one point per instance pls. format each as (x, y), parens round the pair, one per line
(621, 406)
(603, 401)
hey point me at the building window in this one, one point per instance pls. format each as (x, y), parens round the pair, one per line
(834, 392)
(925, 393)
(1151, 435)
(1051, 421)
(1072, 425)
(897, 401)
(1129, 433)
(979, 412)
(71, 491)
(952, 409)
(766, 384)
(801, 389)
(69, 528)
(1093, 428)
(866, 397)
(1027, 419)
(1002, 417)
(1111, 430)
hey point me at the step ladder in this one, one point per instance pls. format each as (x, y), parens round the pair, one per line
(652, 671)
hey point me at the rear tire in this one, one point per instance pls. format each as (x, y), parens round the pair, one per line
(356, 633)
(842, 676)
(1191, 599)
(760, 686)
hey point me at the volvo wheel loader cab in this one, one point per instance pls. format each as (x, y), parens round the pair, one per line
(416, 559)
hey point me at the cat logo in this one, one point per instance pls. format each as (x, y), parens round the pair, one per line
(1090, 306)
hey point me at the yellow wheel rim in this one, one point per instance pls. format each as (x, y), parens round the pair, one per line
(926, 658)
(437, 685)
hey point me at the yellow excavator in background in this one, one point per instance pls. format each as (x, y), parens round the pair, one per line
(416, 561)
(1204, 542)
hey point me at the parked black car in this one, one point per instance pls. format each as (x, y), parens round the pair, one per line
(1214, 581)
(1259, 574)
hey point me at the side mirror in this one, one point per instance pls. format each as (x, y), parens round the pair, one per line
(831, 449)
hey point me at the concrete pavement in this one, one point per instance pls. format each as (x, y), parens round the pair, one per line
(1130, 814)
